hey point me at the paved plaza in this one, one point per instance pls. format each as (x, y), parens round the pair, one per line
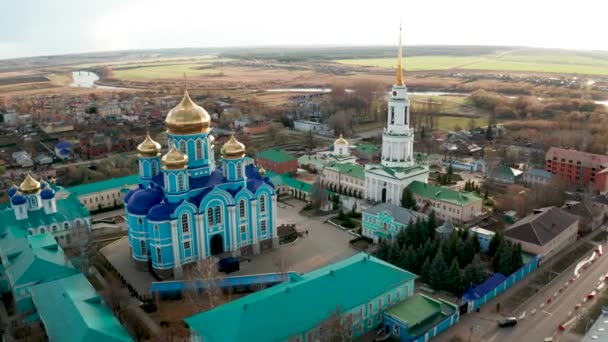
(324, 244)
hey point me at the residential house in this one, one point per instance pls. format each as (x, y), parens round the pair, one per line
(591, 214)
(537, 176)
(300, 308)
(578, 167)
(277, 160)
(505, 175)
(384, 221)
(544, 232)
(23, 158)
(459, 206)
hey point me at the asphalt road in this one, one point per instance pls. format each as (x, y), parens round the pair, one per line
(545, 322)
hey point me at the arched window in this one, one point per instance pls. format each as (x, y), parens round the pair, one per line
(182, 146)
(218, 214)
(185, 224)
(54, 228)
(199, 149)
(242, 208)
(140, 221)
(180, 182)
(154, 168)
(33, 201)
(66, 226)
(210, 216)
(262, 204)
(239, 170)
(42, 230)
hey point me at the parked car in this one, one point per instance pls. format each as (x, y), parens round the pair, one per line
(507, 322)
(229, 265)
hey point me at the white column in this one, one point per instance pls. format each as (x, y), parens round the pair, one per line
(202, 235)
(274, 217)
(232, 222)
(254, 226)
(177, 265)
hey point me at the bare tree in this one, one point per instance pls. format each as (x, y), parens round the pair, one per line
(203, 284)
(116, 297)
(84, 245)
(337, 327)
(318, 196)
(341, 122)
(281, 261)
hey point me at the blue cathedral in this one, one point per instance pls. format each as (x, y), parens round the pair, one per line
(186, 207)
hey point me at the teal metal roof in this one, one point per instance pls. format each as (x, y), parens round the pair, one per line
(285, 179)
(68, 209)
(442, 194)
(112, 183)
(35, 258)
(298, 305)
(275, 155)
(349, 169)
(71, 310)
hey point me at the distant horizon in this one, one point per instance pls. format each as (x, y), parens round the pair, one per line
(51, 28)
(312, 46)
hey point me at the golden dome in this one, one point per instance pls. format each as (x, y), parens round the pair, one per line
(233, 149)
(29, 185)
(187, 118)
(148, 147)
(174, 159)
(341, 141)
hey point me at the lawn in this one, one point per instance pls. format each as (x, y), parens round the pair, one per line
(449, 123)
(525, 60)
(163, 71)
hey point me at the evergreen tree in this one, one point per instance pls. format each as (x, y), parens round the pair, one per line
(495, 242)
(468, 252)
(425, 269)
(427, 249)
(393, 254)
(382, 251)
(341, 215)
(505, 260)
(517, 259)
(464, 234)
(409, 261)
(419, 258)
(454, 278)
(474, 273)
(437, 273)
(476, 242)
(485, 194)
(489, 135)
(401, 238)
(407, 199)
(450, 170)
(431, 225)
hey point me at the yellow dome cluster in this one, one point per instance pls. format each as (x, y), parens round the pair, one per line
(341, 141)
(233, 149)
(29, 185)
(174, 159)
(148, 147)
(187, 118)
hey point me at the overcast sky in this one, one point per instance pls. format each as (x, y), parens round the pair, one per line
(47, 27)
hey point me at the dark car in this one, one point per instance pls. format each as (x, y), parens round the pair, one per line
(507, 322)
(229, 265)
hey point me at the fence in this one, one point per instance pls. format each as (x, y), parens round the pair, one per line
(174, 289)
(478, 295)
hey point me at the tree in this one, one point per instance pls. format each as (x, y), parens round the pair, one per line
(383, 248)
(116, 297)
(431, 224)
(437, 272)
(474, 273)
(318, 197)
(84, 245)
(337, 327)
(453, 278)
(424, 275)
(407, 199)
(476, 243)
(203, 272)
(495, 242)
(468, 252)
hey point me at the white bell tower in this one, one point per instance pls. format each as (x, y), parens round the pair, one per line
(398, 138)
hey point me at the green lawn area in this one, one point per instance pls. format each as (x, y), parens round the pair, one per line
(149, 72)
(550, 61)
(449, 122)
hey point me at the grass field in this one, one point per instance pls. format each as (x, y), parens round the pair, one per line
(448, 123)
(554, 61)
(150, 72)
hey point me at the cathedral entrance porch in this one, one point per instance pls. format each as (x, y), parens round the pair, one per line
(216, 244)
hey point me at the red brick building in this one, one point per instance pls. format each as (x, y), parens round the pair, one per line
(277, 161)
(578, 167)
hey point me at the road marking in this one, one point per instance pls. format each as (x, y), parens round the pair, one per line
(493, 337)
(548, 313)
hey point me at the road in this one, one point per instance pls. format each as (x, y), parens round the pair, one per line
(545, 321)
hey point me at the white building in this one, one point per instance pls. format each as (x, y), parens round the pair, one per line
(385, 182)
(306, 125)
(10, 118)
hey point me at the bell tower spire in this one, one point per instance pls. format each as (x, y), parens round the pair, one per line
(399, 61)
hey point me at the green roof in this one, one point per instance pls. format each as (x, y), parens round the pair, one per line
(367, 148)
(420, 313)
(443, 194)
(416, 168)
(353, 170)
(68, 209)
(108, 184)
(275, 155)
(35, 258)
(71, 310)
(298, 305)
(285, 179)
(318, 161)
